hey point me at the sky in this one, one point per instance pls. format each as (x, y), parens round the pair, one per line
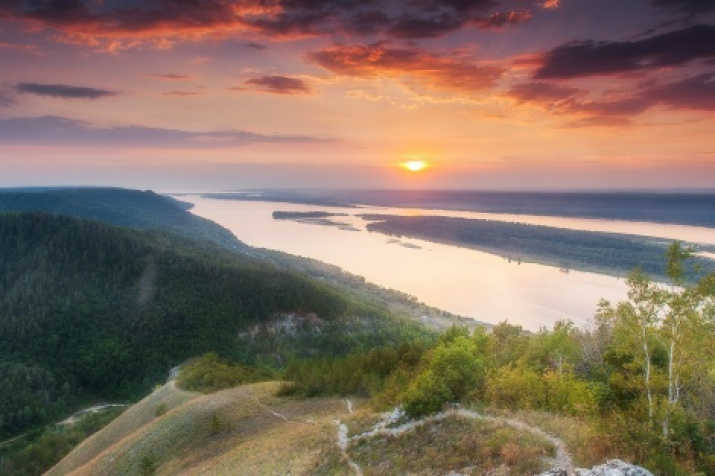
(192, 95)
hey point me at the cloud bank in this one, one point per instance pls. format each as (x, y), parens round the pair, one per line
(64, 131)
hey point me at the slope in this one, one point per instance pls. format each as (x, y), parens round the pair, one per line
(91, 311)
(122, 207)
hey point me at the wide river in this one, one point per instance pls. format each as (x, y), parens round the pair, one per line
(462, 281)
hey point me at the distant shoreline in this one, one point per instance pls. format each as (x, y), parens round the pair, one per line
(689, 209)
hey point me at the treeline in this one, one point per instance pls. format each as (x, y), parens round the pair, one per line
(210, 373)
(569, 249)
(91, 311)
(641, 377)
(282, 215)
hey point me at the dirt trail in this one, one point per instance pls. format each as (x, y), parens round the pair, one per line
(562, 460)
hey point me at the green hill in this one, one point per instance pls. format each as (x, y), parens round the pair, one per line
(89, 311)
(127, 208)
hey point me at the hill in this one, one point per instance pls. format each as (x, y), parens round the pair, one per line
(127, 208)
(89, 311)
(242, 430)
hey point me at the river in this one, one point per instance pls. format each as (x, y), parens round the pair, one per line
(462, 281)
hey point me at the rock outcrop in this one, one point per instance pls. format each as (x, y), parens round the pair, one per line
(614, 467)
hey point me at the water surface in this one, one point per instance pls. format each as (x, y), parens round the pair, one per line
(462, 281)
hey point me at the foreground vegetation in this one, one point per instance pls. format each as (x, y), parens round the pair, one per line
(639, 383)
(608, 253)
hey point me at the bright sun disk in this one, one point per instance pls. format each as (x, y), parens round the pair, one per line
(415, 165)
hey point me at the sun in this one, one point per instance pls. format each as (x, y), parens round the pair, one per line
(415, 165)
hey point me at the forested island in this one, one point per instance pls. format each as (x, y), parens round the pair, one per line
(609, 253)
(282, 215)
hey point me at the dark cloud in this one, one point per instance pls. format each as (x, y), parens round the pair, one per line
(686, 6)
(446, 73)
(588, 58)
(426, 27)
(256, 46)
(694, 93)
(171, 77)
(63, 91)
(279, 84)
(499, 20)
(62, 131)
(92, 21)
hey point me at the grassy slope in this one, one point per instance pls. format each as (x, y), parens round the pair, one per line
(247, 430)
(186, 440)
(124, 426)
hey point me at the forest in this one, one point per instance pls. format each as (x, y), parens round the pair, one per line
(637, 384)
(610, 253)
(89, 311)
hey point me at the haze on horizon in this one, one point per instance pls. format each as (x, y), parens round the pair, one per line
(227, 94)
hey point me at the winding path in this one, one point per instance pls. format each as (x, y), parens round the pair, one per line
(562, 460)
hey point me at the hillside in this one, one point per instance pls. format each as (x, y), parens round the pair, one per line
(90, 311)
(242, 430)
(143, 210)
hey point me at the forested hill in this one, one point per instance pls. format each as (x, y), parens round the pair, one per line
(117, 206)
(88, 310)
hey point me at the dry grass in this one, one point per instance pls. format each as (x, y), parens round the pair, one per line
(582, 439)
(244, 430)
(248, 430)
(123, 426)
(454, 444)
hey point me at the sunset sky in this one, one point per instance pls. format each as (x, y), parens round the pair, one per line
(179, 95)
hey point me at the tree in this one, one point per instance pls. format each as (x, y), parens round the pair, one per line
(671, 320)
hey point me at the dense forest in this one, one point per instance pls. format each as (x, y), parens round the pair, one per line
(127, 208)
(91, 311)
(637, 384)
(609, 253)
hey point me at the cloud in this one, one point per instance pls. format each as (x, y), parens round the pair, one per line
(552, 96)
(63, 91)
(279, 84)
(686, 6)
(117, 25)
(589, 58)
(62, 131)
(695, 93)
(180, 93)
(499, 20)
(598, 121)
(171, 77)
(550, 4)
(256, 46)
(441, 72)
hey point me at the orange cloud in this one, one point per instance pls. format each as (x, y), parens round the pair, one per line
(377, 60)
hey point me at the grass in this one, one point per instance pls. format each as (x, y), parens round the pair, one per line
(249, 430)
(588, 446)
(128, 423)
(454, 444)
